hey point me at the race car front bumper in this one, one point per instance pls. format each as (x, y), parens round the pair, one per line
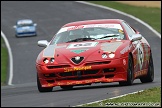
(88, 73)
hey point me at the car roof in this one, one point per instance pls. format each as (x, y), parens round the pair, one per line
(97, 21)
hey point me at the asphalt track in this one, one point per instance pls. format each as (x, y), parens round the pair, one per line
(50, 16)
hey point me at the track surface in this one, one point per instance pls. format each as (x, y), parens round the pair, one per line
(50, 16)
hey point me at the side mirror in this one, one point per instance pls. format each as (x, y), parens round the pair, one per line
(14, 26)
(35, 24)
(43, 43)
(136, 37)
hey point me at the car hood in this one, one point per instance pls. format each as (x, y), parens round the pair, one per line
(89, 50)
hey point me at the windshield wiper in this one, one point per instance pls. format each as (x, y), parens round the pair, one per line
(81, 39)
(109, 36)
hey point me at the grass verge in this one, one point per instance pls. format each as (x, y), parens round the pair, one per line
(147, 98)
(4, 62)
(150, 15)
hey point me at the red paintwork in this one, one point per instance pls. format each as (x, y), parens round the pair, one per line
(64, 65)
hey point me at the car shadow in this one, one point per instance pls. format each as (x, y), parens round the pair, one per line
(82, 87)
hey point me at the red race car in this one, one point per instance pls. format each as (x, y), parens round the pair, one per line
(94, 51)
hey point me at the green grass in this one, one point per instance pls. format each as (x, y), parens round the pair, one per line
(152, 95)
(4, 62)
(151, 16)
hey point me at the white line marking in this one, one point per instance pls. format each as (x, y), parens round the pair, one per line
(109, 98)
(120, 12)
(10, 58)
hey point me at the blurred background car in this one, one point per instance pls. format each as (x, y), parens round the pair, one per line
(25, 27)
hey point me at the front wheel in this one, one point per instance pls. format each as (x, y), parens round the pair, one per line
(130, 74)
(43, 89)
(150, 74)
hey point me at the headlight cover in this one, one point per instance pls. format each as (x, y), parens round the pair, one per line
(106, 55)
(111, 55)
(48, 60)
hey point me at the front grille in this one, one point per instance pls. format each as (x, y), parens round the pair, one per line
(78, 73)
(50, 81)
(109, 76)
(97, 63)
(109, 70)
(90, 72)
(64, 74)
(49, 75)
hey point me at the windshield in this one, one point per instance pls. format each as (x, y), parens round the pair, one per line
(24, 23)
(89, 32)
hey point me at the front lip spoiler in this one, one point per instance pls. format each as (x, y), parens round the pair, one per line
(83, 82)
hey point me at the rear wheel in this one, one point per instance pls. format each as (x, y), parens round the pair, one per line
(150, 74)
(130, 75)
(43, 89)
(66, 87)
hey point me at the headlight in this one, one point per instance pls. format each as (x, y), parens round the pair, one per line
(52, 60)
(45, 60)
(111, 55)
(104, 55)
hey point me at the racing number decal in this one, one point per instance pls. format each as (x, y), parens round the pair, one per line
(140, 55)
(81, 45)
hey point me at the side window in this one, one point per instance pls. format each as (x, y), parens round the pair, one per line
(129, 30)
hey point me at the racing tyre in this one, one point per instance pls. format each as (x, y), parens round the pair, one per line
(43, 89)
(150, 74)
(16, 36)
(66, 87)
(130, 76)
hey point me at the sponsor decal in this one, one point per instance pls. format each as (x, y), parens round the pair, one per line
(58, 83)
(87, 81)
(96, 80)
(109, 80)
(77, 68)
(79, 51)
(78, 82)
(69, 83)
(139, 73)
(117, 26)
(124, 61)
(50, 84)
(82, 45)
